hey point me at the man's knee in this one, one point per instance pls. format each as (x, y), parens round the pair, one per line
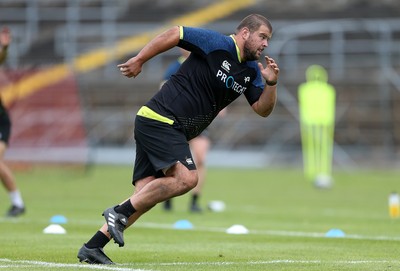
(192, 179)
(187, 178)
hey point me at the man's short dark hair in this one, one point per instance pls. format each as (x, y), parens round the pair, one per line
(253, 23)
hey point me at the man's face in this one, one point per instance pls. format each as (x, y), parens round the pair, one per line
(256, 43)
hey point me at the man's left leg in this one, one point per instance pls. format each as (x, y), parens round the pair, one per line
(178, 181)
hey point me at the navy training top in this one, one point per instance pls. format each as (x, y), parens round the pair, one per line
(173, 67)
(211, 78)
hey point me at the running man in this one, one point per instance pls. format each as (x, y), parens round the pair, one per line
(219, 69)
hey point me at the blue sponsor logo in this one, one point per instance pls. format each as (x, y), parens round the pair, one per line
(230, 82)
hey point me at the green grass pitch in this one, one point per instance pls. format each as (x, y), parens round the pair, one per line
(287, 220)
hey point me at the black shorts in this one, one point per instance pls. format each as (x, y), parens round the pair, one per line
(5, 126)
(159, 146)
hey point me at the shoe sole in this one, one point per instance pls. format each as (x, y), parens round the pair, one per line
(84, 259)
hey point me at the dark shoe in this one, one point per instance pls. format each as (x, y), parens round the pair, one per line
(15, 211)
(116, 225)
(93, 256)
(195, 209)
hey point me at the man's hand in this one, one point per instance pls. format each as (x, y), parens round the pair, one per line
(131, 68)
(271, 72)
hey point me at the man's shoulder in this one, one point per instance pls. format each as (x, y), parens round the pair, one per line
(252, 64)
(201, 36)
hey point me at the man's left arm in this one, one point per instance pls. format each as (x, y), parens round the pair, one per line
(266, 103)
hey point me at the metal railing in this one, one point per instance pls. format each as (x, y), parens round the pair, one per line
(362, 53)
(25, 16)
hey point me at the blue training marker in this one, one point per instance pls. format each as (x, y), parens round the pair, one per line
(335, 233)
(183, 225)
(58, 219)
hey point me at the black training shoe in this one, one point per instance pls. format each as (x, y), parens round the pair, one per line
(116, 225)
(93, 256)
(15, 211)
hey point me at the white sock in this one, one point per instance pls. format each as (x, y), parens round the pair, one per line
(16, 198)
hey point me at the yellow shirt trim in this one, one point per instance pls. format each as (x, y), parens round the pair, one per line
(181, 32)
(146, 112)
(237, 49)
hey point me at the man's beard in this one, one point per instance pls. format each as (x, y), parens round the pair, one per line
(250, 55)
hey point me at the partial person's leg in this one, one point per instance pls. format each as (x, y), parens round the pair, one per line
(8, 180)
(167, 205)
(200, 147)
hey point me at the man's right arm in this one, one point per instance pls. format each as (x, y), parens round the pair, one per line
(161, 43)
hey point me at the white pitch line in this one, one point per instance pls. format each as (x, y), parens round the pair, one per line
(271, 232)
(272, 262)
(322, 235)
(29, 264)
(219, 229)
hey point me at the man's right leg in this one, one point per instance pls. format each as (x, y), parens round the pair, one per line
(92, 252)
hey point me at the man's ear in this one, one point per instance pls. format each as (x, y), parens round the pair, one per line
(245, 33)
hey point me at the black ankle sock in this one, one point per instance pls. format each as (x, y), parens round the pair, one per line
(98, 240)
(125, 208)
(195, 197)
